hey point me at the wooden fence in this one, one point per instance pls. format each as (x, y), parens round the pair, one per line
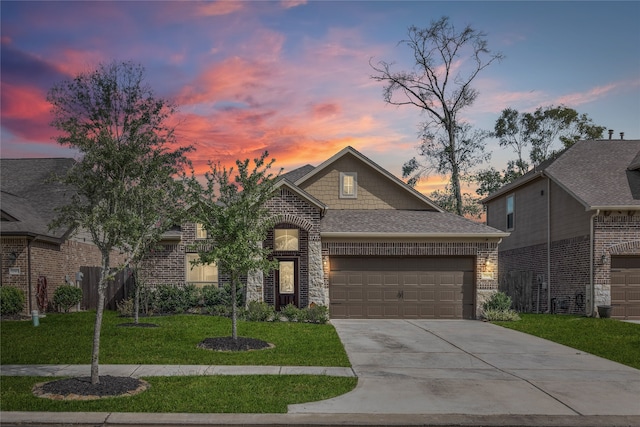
(117, 290)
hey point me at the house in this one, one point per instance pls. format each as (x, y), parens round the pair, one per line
(353, 237)
(35, 259)
(575, 231)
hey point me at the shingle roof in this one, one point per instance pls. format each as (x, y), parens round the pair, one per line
(597, 174)
(29, 198)
(296, 174)
(400, 222)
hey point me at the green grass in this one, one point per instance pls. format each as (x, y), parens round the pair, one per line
(67, 338)
(195, 394)
(607, 338)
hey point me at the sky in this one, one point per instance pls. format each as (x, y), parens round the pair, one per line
(294, 77)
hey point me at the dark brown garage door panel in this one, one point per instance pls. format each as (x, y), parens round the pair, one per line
(406, 288)
(625, 287)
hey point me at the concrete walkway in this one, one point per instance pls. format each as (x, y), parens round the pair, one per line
(139, 371)
(428, 373)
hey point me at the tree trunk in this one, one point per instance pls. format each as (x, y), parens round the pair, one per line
(455, 170)
(234, 308)
(95, 352)
(136, 304)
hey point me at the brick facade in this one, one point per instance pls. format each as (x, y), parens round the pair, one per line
(614, 235)
(58, 263)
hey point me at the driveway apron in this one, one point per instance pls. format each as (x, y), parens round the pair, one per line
(472, 367)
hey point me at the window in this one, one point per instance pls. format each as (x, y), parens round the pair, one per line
(348, 185)
(201, 275)
(510, 212)
(287, 277)
(201, 232)
(285, 239)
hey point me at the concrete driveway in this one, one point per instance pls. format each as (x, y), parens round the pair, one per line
(475, 368)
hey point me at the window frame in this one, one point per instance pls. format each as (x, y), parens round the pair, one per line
(189, 268)
(286, 233)
(510, 212)
(354, 193)
(201, 230)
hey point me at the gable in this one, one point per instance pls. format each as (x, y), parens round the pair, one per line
(375, 189)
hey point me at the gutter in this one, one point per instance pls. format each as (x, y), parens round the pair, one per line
(591, 254)
(374, 234)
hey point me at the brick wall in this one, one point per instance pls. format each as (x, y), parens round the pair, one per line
(57, 263)
(614, 235)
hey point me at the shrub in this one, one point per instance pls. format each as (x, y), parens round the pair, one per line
(66, 296)
(498, 301)
(125, 307)
(11, 300)
(291, 312)
(259, 311)
(217, 300)
(171, 299)
(501, 315)
(317, 314)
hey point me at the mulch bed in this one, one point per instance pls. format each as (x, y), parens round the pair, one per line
(80, 388)
(229, 344)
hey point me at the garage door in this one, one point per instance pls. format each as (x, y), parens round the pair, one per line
(625, 287)
(400, 287)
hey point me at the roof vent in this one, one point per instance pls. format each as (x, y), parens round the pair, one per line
(610, 133)
(621, 135)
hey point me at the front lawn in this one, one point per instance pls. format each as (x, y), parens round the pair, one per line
(607, 338)
(195, 394)
(66, 339)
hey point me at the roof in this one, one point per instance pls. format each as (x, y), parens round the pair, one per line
(296, 174)
(28, 197)
(401, 223)
(600, 174)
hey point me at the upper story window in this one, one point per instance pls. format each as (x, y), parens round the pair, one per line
(201, 232)
(286, 239)
(510, 213)
(200, 275)
(348, 185)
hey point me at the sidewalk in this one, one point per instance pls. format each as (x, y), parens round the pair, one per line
(170, 370)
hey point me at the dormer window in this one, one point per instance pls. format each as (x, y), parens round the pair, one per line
(348, 185)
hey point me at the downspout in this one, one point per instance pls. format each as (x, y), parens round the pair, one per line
(29, 275)
(548, 245)
(592, 284)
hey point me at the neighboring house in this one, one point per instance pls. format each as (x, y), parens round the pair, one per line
(575, 231)
(353, 237)
(36, 259)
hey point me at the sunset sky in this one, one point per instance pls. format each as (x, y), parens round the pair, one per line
(293, 77)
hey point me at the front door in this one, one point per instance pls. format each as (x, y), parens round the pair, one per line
(287, 282)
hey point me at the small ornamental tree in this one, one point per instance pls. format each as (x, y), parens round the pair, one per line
(232, 209)
(124, 181)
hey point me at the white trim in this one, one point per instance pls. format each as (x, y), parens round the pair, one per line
(354, 194)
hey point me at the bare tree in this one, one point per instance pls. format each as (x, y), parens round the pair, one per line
(445, 64)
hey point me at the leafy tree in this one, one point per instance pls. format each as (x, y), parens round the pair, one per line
(471, 207)
(232, 209)
(445, 64)
(124, 183)
(540, 132)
